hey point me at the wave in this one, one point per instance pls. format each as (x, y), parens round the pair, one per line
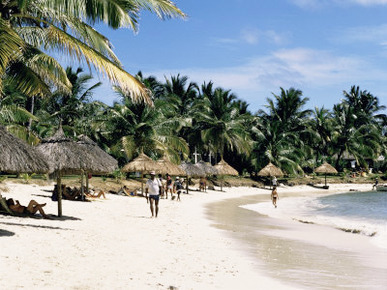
(312, 210)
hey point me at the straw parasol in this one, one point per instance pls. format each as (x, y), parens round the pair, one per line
(270, 170)
(99, 162)
(16, 156)
(192, 170)
(64, 156)
(223, 168)
(326, 168)
(167, 166)
(206, 167)
(142, 163)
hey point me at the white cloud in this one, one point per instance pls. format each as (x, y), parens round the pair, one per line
(314, 4)
(301, 68)
(375, 34)
(370, 2)
(251, 36)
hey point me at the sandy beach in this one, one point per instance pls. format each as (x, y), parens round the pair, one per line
(113, 243)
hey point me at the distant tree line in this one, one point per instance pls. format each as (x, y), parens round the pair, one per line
(186, 117)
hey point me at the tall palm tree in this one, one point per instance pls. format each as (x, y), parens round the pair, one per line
(365, 105)
(137, 127)
(65, 26)
(219, 122)
(285, 127)
(362, 142)
(69, 109)
(320, 128)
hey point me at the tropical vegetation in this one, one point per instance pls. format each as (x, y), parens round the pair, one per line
(173, 118)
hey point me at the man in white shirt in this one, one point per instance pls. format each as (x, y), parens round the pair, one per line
(152, 189)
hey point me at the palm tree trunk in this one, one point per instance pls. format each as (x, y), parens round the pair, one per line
(32, 112)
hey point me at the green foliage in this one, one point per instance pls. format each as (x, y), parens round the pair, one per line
(27, 177)
(118, 175)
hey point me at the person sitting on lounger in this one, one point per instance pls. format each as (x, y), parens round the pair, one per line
(32, 208)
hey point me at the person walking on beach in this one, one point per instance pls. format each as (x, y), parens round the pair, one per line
(153, 188)
(274, 196)
(162, 188)
(178, 187)
(169, 186)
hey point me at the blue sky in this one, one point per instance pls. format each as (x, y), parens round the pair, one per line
(253, 48)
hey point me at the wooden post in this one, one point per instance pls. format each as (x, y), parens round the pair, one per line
(87, 182)
(59, 185)
(82, 188)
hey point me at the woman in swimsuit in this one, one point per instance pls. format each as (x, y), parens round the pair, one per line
(274, 196)
(32, 207)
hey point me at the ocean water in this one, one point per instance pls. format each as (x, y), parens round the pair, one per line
(362, 213)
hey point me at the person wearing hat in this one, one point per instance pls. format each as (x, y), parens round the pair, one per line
(178, 187)
(152, 191)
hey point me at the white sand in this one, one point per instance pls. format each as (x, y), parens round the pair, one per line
(114, 244)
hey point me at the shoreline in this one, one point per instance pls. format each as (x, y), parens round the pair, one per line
(305, 256)
(113, 244)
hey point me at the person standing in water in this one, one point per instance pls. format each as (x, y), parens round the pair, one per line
(274, 196)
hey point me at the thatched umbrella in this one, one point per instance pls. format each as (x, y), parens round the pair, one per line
(224, 168)
(16, 156)
(64, 155)
(207, 167)
(142, 163)
(270, 170)
(99, 162)
(166, 166)
(326, 168)
(191, 170)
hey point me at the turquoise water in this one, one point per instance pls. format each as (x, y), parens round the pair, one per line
(357, 212)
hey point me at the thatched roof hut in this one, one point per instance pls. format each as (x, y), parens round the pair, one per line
(16, 156)
(270, 170)
(167, 166)
(207, 167)
(224, 168)
(192, 170)
(98, 160)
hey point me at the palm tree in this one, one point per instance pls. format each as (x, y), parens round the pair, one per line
(137, 127)
(219, 122)
(365, 105)
(65, 26)
(69, 109)
(362, 142)
(287, 108)
(285, 127)
(320, 129)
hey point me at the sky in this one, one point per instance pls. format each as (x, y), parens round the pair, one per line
(255, 47)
